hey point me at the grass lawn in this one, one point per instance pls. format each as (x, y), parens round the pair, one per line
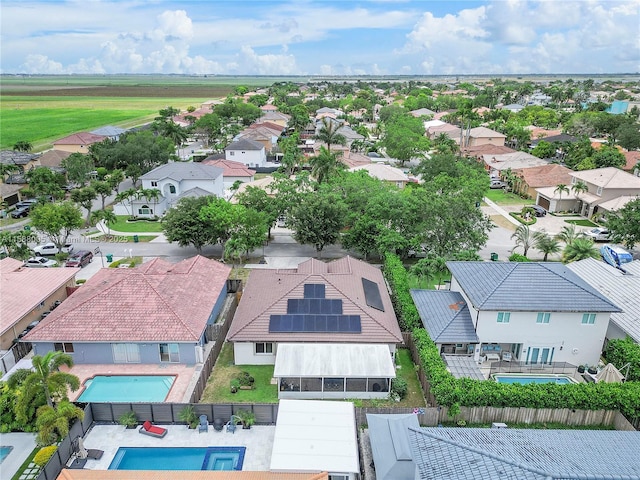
(500, 221)
(121, 225)
(5, 222)
(582, 223)
(218, 386)
(501, 197)
(427, 284)
(25, 464)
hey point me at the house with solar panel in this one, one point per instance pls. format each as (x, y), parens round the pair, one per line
(536, 313)
(329, 329)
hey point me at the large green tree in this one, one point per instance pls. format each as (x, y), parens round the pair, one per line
(580, 249)
(53, 422)
(257, 199)
(326, 164)
(404, 138)
(78, 167)
(84, 197)
(317, 219)
(329, 134)
(56, 220)
(183, 224)
(43, 182)
(625, 224)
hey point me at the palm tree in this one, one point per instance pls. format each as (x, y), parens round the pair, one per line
(580, 249)
(23, 146)
(568, 234)
(328, 133)
(53, 422)
(107, 216)
(44, 384)
(524, 238)
(546, 244)
(125, 197)
(152, 194)
(578, 188)
(560, 189)
(7, 169)
(445, 144)
(325, 164)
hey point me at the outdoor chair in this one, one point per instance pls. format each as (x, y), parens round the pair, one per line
(204, 424)
(231, 425)
(152, 430)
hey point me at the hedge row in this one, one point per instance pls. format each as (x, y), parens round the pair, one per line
(622, 353)
(398, 280)
(455, 392)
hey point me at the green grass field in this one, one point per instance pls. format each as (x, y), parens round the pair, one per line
(501, 197)
(142, 226)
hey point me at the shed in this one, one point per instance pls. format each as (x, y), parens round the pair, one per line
(390, 447)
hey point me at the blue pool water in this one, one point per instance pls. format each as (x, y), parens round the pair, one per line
(127, 388)
(178, 458)
(525, 379)
(4, 452)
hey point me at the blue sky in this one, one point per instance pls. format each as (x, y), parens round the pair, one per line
(312, 37)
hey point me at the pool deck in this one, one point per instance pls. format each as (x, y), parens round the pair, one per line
(186, 376)
(258, 441)
(23, 444)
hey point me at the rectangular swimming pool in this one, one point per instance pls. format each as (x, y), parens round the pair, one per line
(4, 453)
(525, 379)
(127, 388)
(178, 458)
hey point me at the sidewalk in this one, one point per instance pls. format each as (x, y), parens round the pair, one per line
(501, 211)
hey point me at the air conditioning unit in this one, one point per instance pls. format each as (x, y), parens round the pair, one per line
(498, 425)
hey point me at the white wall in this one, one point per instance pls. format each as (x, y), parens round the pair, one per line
(572, 341)
(244, 354)
(251, 158)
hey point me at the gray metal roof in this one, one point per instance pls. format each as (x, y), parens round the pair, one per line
(179, 171)
(484, 453)
(390, 448)
(463, 366)
(195, 193)
(109, 131)
(15, 157)
(621, 288)
(445, 315)
(244, 144)
(527, 287)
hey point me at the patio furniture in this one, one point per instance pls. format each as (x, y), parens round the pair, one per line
(82, 452)
(152, 430)
(204, 424)
(218, 424)
(231, 424)
(78, 463)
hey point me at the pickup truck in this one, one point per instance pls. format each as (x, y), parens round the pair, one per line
(51, 249)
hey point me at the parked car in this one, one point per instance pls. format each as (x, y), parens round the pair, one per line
(27, 203)
(20, 212)
(598, 234)
(79, 259)
(51, 249)
(498, 184)
(538, 210)
(40, 262)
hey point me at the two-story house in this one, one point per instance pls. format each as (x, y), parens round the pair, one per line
(538, 312)
(173, 181)
(247, 151)
(604, 184)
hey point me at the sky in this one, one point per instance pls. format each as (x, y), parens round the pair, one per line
(314, 37)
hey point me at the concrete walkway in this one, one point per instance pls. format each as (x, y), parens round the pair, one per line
(23, 444)
(501, 211)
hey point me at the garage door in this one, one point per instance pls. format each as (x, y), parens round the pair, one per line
(544, 202)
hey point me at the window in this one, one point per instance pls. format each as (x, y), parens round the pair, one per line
(543, 317)
(264, 348)
(172, 189)
(599, 191)
(588, 318)
(169, 352)
(63, 347)
(126, 353)
(145, 210)
(503, 317)
(232, 153)
(154, 184)
(338, 476)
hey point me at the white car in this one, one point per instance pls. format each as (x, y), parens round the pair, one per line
(40, 262)
(598, 234)
(51, 249)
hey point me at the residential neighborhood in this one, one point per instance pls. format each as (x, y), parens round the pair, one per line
(341, 280)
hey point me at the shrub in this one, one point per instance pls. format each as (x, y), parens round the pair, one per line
(128, 419)
(44, 454)
(188, 416)
(399, 387)
(81, 281)
(398, 280)
(516, 257)
(622, 352)
(518, 217)
(245, 379)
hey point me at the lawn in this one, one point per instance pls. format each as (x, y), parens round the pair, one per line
(5, 222)
(143, 226)
(218, 386)
(25, 464)
(582, 223)
(499, 196)
(427, 284)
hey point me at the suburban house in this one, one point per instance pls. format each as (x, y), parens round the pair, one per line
(632, 164)
(263, 135)
(173, 181)
(53, 159)
(27, 293)
(512, 107)
(532, 454)
(249, 152)
(616, 204)
(477, 152)
(538, 312)
(604, 184)
(156, 313)
(23, 161)
(422, 112)
(383, 172)
(78, 142)
(434, 130)
(496, 164)
(275, 117)
(329, 329)
(109, 131)
(316, 436)
(10, 194)
(232, 172)
(622, 288)
(390, 448)
(550, 175)
(483, 136)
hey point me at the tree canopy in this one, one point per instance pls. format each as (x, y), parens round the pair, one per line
(625, 224)
(56, 220)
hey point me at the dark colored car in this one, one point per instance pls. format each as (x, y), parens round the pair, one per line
(20, 212)
(26, 203)
(79, 259)
(538, 210)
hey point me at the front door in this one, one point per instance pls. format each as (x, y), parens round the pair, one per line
(540, 355)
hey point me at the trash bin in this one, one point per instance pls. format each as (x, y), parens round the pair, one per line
(494, 257)
(136, 239)
(27, 228)
(109, 257)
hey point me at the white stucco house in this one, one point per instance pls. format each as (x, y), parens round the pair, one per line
(174, 181)
(249, 152)
(535, 312)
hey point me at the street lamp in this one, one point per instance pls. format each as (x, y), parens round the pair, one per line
(98, 251)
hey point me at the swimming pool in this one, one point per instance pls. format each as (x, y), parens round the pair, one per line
(126, 388)
(4, 452)
(178, 458)
(526, 379)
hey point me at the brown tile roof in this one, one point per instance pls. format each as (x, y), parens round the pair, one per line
(23, 289)
(353, 159)
(277, 129)
(267, 291)
(8, 190)
(86, 474)
(486, 149)
(545, 175)
(157, 301)
(542, 133)
(53, 158)
(632, 158)
(230, 168)
(80, 138)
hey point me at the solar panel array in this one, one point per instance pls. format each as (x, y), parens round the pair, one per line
(315, 313)
(372, 294)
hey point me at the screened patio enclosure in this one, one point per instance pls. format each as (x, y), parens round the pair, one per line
(333, 371)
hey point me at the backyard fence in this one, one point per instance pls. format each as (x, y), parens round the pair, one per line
(13, 356)
(553, 368)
